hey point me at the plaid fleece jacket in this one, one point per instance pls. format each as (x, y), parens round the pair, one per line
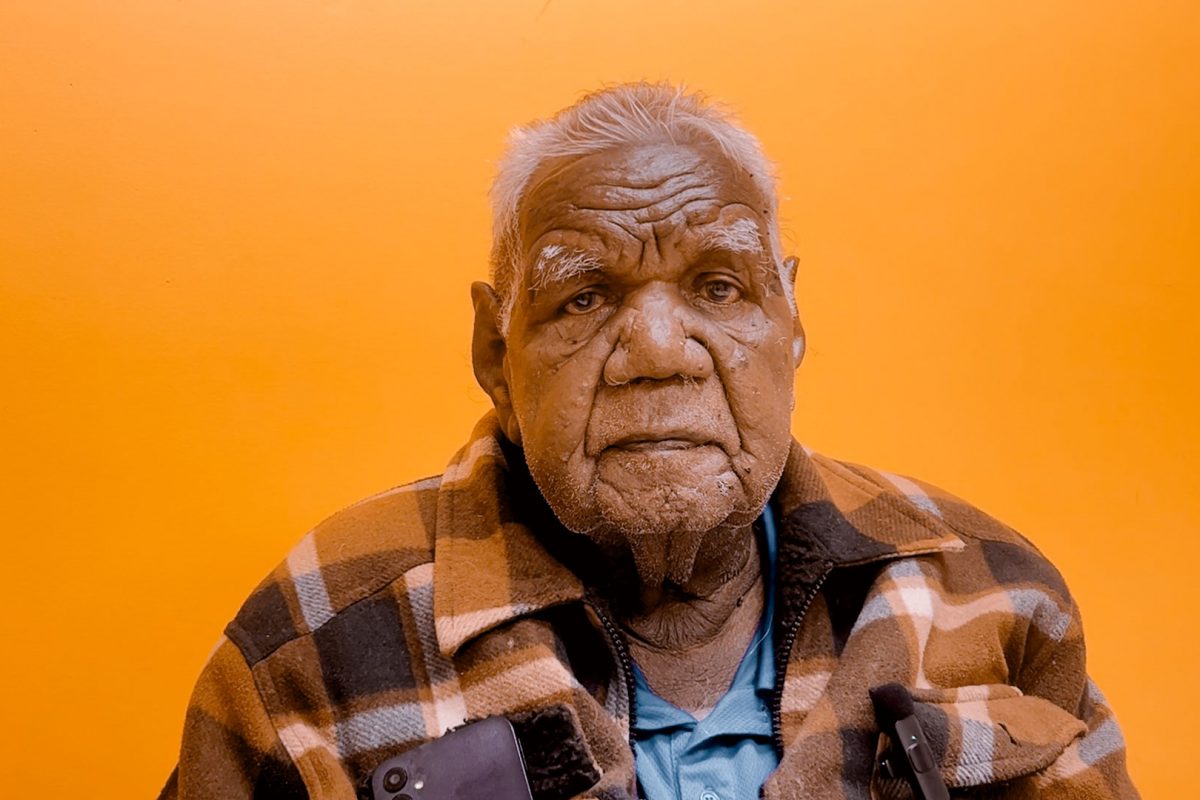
(451, 599)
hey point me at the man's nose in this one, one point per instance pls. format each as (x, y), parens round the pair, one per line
(655, 341)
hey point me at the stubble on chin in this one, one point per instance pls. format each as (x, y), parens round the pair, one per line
(661, 509)
(665, 512)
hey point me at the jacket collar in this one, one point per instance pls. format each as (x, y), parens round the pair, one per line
(489, 566)
(854, 515)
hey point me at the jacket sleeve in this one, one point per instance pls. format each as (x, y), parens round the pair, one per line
(1093, 765)
(230, 747)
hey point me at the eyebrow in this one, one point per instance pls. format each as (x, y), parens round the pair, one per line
(556, 263)
(741, 236)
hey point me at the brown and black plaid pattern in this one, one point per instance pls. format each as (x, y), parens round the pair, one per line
(449, 600)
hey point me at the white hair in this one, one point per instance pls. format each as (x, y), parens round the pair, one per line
(627, 114)
(557, 263)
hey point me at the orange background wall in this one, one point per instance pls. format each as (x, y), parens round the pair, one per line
(236, 239)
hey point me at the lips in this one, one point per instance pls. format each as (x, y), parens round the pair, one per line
(660, 418)
(646, 442)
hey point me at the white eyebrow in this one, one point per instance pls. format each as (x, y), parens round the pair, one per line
(557, 263)
(741, 236)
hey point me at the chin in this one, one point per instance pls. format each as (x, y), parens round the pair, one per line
(666, 510)
(693, 489)
(656, 504)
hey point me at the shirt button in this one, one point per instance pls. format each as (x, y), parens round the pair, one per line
(709, 794)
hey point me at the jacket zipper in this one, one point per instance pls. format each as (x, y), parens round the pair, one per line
(625, 664)
(784, 655)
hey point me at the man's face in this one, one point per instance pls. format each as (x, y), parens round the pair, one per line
(651, 349)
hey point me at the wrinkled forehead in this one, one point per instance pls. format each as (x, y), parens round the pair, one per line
(638, 190)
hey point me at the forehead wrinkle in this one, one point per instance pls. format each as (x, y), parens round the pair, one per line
(628, 195)
(629, 181)
(670, 207)
(650, 204)
(646, 227)
(638, 191)
(651, 211)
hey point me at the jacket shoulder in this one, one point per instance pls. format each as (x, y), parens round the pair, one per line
(1006, 557)
(347, 558)
(938, 506)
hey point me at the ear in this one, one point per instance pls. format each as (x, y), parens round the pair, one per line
(798, 339)
(488, 353)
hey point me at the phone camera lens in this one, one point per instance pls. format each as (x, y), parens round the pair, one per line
(394, 780)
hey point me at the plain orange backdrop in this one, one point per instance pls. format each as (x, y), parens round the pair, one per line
(236, 241)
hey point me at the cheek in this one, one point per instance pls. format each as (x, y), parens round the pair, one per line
(758, 383)
(553, 398)
(761, 394)
(753, 340)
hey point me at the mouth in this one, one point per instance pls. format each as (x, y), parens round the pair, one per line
(654, 445)
(659, 442)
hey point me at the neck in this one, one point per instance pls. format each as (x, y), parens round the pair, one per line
(688, 641)
(674, 618)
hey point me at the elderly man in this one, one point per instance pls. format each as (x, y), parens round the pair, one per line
(631, 559)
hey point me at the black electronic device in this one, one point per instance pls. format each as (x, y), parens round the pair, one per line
(479, 761)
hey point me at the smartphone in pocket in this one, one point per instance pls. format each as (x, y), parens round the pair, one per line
(479, 761)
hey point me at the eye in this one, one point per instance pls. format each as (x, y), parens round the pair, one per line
(584, 302)
(720, 291)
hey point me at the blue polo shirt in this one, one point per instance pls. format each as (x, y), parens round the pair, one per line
(728, 754)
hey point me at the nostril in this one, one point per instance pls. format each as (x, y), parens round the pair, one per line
(655, 348)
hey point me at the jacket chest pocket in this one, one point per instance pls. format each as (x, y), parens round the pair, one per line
(988, 740)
